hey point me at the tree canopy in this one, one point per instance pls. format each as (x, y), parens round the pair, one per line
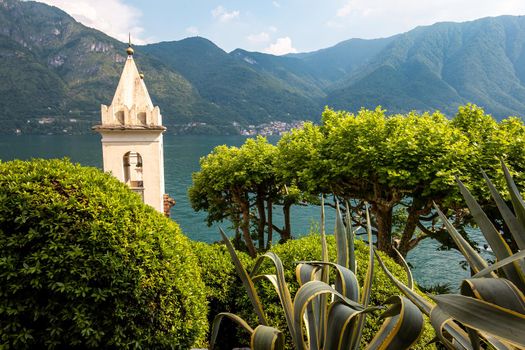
(400, 164)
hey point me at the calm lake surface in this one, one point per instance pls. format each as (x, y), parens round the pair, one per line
(182, 155)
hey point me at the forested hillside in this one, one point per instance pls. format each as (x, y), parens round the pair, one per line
(57, 72)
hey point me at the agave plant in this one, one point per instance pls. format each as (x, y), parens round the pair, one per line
(324, 316)
(490, 311)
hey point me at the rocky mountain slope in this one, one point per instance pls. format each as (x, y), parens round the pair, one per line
(57, 72)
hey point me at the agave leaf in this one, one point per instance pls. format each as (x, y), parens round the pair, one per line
(410, 278)
(497, 243)
(516, 228)
(345, 281)
(266, 338)
(217, 323)
(440, 321)
(485, 317)
(281, 288)
(306, 273)
(246, 280)
(341, 238)
(341, 320)
(516, 256)
(350, 238)
(425, 306)
(498, 344)
(402, 328)
(517, 202)
(476, 261)
(367, 287)
(497, 291)
(308, 292)
(325, 275)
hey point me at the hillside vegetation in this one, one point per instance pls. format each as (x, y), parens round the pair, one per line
(58, 69)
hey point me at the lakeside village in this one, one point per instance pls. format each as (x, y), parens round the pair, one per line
(265, 129)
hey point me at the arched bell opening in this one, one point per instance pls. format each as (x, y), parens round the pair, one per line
(133, 172)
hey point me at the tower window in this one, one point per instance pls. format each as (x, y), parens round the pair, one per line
(120, 117)
(142, 118)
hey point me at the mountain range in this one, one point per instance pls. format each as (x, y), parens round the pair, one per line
(57, 72)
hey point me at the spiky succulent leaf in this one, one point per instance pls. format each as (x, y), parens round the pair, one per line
(484, 317)
(217, 323)
(246, 280)
(500, 248)
(403, 325)
(266, 338)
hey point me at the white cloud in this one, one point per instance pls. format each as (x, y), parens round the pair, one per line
(281, 47)
(345, 10)
(223, 15)
(276, 4)
(112, 17)
(262, 37)
(192, 30)
(272, 29)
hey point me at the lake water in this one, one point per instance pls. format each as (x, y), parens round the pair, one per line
(182, 154)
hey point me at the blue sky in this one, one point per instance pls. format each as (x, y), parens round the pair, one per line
(274, 26)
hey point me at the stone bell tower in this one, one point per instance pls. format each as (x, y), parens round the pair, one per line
(132, 145)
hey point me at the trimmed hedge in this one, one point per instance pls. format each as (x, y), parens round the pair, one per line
(85, 264)
(226, 293)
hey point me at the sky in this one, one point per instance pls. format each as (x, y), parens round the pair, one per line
(274, 26)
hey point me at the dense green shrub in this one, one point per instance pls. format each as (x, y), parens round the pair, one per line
(226, 293)
(223, 287)
(84, 263)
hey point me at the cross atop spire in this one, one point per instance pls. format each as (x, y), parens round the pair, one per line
(129, 50)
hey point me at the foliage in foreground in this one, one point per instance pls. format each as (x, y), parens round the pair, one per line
(84, 263)
(490, 311)
(329, 324)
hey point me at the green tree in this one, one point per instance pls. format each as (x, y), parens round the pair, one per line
(401, 164)
(240, 184)
(407, 160)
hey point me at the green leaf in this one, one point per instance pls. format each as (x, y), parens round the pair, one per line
(367, 286)
(517, 229)
(493, 237)
(498, 291)
(484, 316)
(341, 238)
(282, 289)
(341, 321)
(350, 238)
(476, 261)
(246, 280)
(517, 203)
(402, 328)
(517, 256)
(266, 338)
(217, 323)
(304, 296)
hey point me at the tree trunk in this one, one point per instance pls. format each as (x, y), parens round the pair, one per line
(286, 235)
(261, 223)
(270, 224)
(406, 243)
(245, 224)
(383, 215)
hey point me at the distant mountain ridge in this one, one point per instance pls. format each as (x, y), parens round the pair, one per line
(57, 72)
